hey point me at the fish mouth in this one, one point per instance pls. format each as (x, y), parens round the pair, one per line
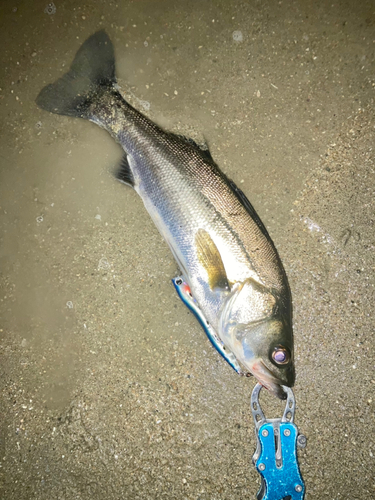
(265, 377)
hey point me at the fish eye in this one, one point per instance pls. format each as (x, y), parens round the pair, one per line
(280, 355)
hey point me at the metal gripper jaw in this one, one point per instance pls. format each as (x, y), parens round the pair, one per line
(275, 457)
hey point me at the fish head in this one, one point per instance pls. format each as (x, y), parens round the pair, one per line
(263, 349)
(257, 329)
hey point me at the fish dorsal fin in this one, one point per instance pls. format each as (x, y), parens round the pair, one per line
(210, 258)
(124, 172)
(206, 153)
(202, 148)
(249, 207)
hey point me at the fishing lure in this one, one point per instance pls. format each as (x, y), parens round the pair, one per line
(187, 298)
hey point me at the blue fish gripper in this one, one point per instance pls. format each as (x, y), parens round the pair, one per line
(275, 457)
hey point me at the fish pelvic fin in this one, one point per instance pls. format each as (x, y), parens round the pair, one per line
(210, 258)
(93, 69)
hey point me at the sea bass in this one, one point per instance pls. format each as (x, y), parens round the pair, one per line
(236, 283)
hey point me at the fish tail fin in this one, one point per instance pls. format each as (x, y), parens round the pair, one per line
(92, 70)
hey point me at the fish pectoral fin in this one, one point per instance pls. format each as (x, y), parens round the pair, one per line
(124, 173)
(210, 258)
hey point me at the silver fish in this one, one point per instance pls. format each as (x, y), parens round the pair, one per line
(224, 252)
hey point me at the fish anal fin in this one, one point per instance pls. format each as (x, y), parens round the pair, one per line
(124, 172)
(210, 258)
